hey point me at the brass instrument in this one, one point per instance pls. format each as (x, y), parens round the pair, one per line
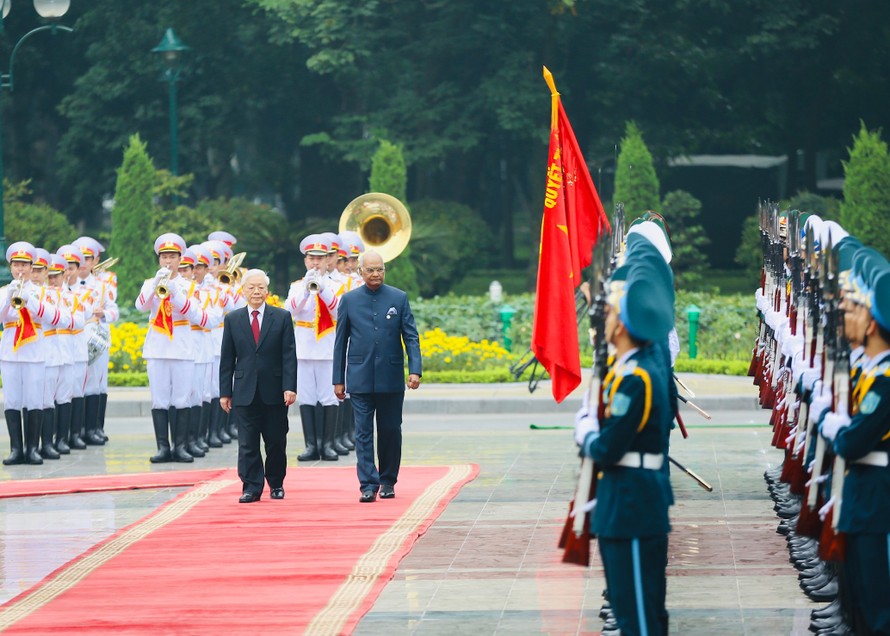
(15, 294)
(162, 290)
(232, 274)
(108, 263)
(381, 220)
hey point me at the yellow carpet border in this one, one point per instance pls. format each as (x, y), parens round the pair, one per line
(352, 592)
(67, 578)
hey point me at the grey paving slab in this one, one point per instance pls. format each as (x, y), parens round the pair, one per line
(489, 564)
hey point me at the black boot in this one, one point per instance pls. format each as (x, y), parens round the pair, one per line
(307, 419)
(343, 414)
(33, 424)
(328, 453)
(219, 421)
(179, 429)
(75, 441)
(213, 440)
(160, 421)
(103, 404)
(192, 424)
(91, 420)
(16, 439)
(47, 451)
(63, 427)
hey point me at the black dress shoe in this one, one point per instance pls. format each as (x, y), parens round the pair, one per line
(387, 492)
(368, 496)
(277, 493)
(250, 497)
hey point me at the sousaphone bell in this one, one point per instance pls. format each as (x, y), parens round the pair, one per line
(382, 221)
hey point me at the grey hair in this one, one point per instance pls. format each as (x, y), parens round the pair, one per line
(363, 255)
(255, 273)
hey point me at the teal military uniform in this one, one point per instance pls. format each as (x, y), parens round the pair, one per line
(629, 446)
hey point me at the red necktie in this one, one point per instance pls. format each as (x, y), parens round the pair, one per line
(255, 326)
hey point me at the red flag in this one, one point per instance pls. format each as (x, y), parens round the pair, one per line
(25, 331)
(324, 322)
(163, 320)
(572, 222)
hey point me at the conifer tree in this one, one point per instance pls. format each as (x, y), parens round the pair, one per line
(131, 220)
(389, 175)
(636, 184)
(682, 212)
(865, 212)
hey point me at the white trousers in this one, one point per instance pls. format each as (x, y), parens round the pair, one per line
(97, 376)
(314, 382)
(50, 385)
(22, 385)
(65, 384)
(78, 379)
(200, 377)
(169, 382)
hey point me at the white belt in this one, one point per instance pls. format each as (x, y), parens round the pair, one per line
(875, 458)
(649, 461)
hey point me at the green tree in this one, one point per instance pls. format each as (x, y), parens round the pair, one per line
(682, 211)
(749, 253)
(132, 230)
(36, 223)
(865, 211)
(389, 175)
(636, 184)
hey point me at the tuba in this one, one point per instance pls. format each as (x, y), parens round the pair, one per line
(108, 263)
(381, 220)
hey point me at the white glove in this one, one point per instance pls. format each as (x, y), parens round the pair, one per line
(832, 423)
(585, 422)
(209, 280)
(761, 301)
(820, 403)
(161, 273)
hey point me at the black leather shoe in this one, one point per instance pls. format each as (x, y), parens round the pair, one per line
(250, 497)
(368, 496)
(387, 492)
(277, 493)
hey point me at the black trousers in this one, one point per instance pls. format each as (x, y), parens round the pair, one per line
(270, 422)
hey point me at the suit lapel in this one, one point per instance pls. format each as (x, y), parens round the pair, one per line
(245, 323)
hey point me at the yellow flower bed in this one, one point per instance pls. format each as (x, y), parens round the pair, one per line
(441, 352)
(125, 353)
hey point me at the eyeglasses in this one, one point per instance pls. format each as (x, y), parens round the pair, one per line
(374, 270)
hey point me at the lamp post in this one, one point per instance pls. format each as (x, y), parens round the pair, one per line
(171, 47)
(49, 10)
(692, 313)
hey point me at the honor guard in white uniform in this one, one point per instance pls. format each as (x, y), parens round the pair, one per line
(54, 354)
(205, 292)
(64, 340)
(356, 247)
(24, 314)
(193, 444)
(333, 279)
(105, 312)
(81, 303)
(312, 302)
(167, 351)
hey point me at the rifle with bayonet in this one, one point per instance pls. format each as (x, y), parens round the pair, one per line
(575, 537)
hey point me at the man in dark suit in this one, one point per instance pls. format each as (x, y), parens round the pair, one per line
(369, 361)
(258, 376)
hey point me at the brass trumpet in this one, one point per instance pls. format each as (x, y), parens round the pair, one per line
(108, 263)
(231, 274)
(162, 290)
(15, 294)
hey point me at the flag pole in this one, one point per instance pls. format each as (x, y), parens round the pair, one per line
(554, 96)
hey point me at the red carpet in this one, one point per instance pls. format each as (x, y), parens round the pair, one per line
(204, 564)
(106, 483)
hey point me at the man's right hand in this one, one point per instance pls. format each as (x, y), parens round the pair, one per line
(226, 404)
(161, 273)
(340, 391)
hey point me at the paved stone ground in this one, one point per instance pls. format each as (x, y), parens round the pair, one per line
(489, 564)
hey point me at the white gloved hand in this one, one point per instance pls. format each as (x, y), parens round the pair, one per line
(820, 403)
(832, 423)
(209, 280)
(585, 425)
(761, 301)
(161, 273)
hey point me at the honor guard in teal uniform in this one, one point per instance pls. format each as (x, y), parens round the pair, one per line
(863, 440)
(629, 446)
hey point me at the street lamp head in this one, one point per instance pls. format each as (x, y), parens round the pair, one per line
(51, 9)
(170, 47)
(5, 6)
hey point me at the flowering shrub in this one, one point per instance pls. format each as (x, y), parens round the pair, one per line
(125, 353)
(442, 352)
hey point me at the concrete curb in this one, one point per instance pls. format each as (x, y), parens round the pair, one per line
(478, 405)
